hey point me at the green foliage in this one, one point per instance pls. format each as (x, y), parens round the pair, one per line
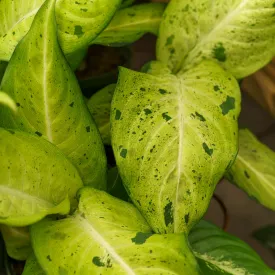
(172, 128)
(36, 179)
(79, 22)
(253, 170)
(219, 253)
(17, 241)
(238, 34)
(167, 121)
(129, 24)
(100, 106)
(90, 241)
(49, 100)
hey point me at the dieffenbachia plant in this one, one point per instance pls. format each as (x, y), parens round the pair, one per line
(253, 170)
(129, 24)
(219, 253)
(78, 22)
(49, 100)
(238, 34)
(174, 136)
(36, 179)
(17, 242)
(108, 236)
(100, 107)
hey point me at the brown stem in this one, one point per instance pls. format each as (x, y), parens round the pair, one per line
(224, 210)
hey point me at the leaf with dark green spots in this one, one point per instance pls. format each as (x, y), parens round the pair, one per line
(100, 106)
(78, 22)
(109, 236)
(32, 267)
(17, 242)
(184, 132)
(36, 179)
(237, 34)
(130, 24)
(219, 253)
(44, 90)
(253, 169)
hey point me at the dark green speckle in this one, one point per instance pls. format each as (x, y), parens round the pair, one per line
(169, 40)
(78, 31)
(166, 117)
(118, 115)
(216, 88)
(88, 129)
(97, 261)
(246, 174)
(147, 111)
(162, 91)
(141, 238)
(123, 153)
(168, 214)
(200, 117)
(219, 52)
(207, 150)
(186, 218)
(38, 133)
(228, 105)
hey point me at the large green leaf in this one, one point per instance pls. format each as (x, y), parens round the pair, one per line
(49, 100)
(130, 24)
(108, 236)
(173, 138)
(253, 170)
(100, 106)
(7, 101)
(32, 267)
(239, 34)
(79, 22)
(17, 241)
(36, 179)
(219, 253)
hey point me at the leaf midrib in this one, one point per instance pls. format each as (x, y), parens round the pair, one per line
(204, 39)
(26, 16)
(23, 195)
(118, 27)
(87, 225)
(255, 171)
(221, 265)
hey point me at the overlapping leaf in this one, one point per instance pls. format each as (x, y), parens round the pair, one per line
(36, 179)
(7, 101)
(129, 24)
(108, 236)
(17, 242)
(173, 138)
(253, 170)
(79, 22)
(100, 106)
(32, 267)
(239, 34)
(49, 100)
(219, 253)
